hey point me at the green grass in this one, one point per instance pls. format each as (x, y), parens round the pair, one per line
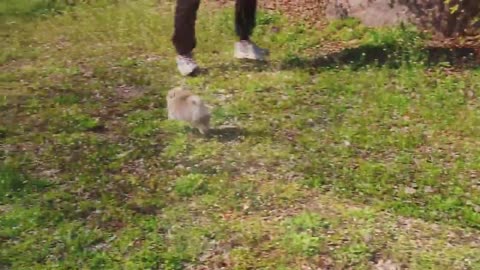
(26, 7)
(336, 163)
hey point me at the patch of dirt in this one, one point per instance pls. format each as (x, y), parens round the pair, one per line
(386, 265)
(128, 91)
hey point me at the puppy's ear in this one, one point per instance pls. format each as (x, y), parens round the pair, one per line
(171, 94)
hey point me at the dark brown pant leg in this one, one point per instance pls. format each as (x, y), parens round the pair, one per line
(245, 11)
(184, 33)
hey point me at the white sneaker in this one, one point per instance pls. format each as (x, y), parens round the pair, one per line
(186, 64)
(248, 50)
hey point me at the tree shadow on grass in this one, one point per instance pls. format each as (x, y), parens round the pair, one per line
(387, 55)
(13, 183)
(383, 55)
(30, 8)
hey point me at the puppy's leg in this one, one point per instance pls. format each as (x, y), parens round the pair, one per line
(202, 128)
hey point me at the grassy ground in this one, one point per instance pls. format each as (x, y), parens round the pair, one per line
(313, 165)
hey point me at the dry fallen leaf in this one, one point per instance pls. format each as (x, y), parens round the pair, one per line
(386, 265)
(410, 190)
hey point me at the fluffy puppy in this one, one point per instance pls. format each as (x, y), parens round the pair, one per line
(185, 106)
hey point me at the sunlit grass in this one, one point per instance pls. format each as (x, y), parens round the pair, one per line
(337, 164)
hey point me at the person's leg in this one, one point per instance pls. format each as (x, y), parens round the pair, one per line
(245, 11)
(184, 38)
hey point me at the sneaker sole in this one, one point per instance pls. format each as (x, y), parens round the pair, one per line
(239, 56)
(191, 73)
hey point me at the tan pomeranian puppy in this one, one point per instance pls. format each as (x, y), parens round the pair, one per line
(185, 106)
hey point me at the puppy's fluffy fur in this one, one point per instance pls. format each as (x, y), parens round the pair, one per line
(183, 105)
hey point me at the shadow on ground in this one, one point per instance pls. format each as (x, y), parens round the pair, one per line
(33, 8)
(364, 56)
(390, 56)
(232, 133)
(242, 65)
